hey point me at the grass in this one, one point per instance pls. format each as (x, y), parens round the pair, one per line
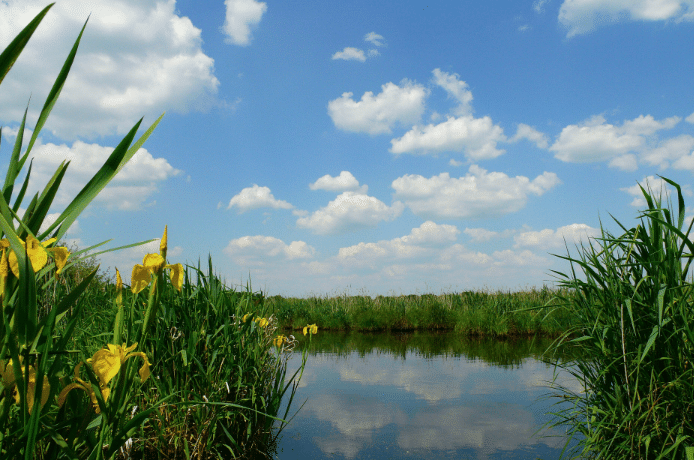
(471, 312)
(637, 325)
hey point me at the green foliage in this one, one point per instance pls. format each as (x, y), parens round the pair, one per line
(470, 312)
(65, 327)
(636, 324)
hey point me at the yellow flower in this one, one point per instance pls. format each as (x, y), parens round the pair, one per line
(106, 363)
(38, 254)
(312, 328)
(82, 385)
(262, 322)
(152, 264)
(119, 288)
(164, 239)
(279, 340)
(8, 381)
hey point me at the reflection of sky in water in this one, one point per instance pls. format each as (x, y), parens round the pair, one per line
(379, 406)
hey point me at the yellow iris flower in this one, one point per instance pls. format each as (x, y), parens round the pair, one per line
(38, 255)
(106, 363)
(279, 340)
(8, 381)
(119, 288)
(262, 322)
(312, 328)
(153, 264)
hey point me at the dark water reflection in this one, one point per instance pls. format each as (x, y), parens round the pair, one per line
(423, 395)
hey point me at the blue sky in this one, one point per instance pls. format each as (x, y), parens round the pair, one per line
(359, 147)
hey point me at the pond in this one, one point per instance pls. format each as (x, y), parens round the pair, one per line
(423, 395)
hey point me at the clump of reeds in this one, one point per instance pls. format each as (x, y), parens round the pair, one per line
(636, 325)
(478, 313)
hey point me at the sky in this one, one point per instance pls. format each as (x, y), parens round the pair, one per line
(360, 148)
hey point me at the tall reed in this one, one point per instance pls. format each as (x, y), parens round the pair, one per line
(636, 325)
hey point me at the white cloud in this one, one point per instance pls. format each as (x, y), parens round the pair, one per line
(594, 140)
(256, 250)
(241, 16)
(583, 16)
(690, 118)
(350, 54)
(573, 234)
(256, 197)
(476, 137)
(539, 6)
(423, 243)
(482, 235)
(350, 211)
(676, 151)
(128, 190)
(374, 38)
(378, 114)
(345, 182)
(456, 89)
(137, 57)
(528, 132)
(478, 194)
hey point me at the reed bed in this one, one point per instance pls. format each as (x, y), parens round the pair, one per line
(479, 313)
(636, 322)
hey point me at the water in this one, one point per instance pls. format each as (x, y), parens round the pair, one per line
(423, 395)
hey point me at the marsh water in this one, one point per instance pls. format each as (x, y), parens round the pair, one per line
(424, 395)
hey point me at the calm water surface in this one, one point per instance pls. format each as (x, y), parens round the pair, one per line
(423, 395)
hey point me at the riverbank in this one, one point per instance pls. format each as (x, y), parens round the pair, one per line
(479, 313)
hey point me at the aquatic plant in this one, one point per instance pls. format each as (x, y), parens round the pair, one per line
(636, 324)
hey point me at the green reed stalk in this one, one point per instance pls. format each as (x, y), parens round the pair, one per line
(636, 327)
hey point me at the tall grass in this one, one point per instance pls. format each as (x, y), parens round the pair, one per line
(470, 312)
(636, 323)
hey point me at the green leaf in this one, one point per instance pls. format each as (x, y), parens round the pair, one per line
(55, 91)
(14, 49)
(654, 335)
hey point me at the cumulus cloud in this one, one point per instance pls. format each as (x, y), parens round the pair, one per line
(423, 243)
(595, 140)
(478, 194)
(583, 16)
(528, 132)
(241, 16)
(482, 235)
(574, 234)
(378, 114)
(374, 39)
(350, 54)
(690, 118)
(256, 197)
(128, 190)
(137, 57)
(476, 137)
(676, 151)
(259, 250)
(456, 89)
(345, 182)
(349, 212)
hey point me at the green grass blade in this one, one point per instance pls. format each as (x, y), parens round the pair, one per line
(55, 90)
(23, 190)
(14, 167)
(14, 49)
(46, 199)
